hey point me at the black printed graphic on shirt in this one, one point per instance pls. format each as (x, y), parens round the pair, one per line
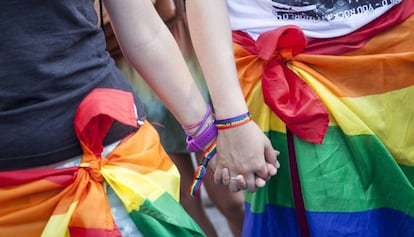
(326, 10)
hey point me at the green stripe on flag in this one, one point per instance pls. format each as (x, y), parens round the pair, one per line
(165, 217)
(344, 174)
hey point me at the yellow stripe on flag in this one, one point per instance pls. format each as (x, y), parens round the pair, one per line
(350, 123)
(261, 113)
(58, 224)
(373, 114)
(134, 188)
(387, 115)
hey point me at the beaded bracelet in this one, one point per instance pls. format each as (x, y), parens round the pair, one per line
(233, 121)
(202, 169)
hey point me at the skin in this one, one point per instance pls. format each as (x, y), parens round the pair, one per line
(153, 44)
(230, 204)
(143, 50)
(252, 159)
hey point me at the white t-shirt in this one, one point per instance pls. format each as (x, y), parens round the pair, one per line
(317, 18)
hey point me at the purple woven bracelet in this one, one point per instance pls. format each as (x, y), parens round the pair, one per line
(202, 140)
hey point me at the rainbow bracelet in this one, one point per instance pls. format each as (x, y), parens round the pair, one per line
(202, 169)
(234, 121)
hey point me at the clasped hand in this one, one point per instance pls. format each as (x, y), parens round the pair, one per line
(245, 158)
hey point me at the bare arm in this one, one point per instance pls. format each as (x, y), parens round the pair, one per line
(244, 151)
(151, 49)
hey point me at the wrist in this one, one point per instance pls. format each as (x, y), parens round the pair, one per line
(201, 141)
(232, 105)
(201, 134)
(233, 122)
(194, 129)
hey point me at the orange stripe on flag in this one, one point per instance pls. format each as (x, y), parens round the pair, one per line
(388, 57)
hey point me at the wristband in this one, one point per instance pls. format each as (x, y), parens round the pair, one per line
(233, 121)
(202, 140)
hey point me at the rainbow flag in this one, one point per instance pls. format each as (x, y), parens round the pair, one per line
(356, 171)
(72, 201)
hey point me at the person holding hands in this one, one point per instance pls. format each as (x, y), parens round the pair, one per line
(326, 81)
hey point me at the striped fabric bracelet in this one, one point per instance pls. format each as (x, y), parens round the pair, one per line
(201, 170)
(233, 121)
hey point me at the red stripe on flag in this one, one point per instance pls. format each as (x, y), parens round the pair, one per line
(357, 39)
(59, 176)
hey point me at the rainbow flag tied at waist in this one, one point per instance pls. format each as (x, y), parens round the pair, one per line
(347, 101)
(72, 201)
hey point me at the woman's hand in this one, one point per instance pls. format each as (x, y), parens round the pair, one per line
(245, 158)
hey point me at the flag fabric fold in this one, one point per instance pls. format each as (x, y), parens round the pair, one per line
(72, 201)
(284, 92)
(359, 180)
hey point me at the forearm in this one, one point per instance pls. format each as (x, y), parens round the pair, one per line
(211, 35)
(243, 152)
(152, 51)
